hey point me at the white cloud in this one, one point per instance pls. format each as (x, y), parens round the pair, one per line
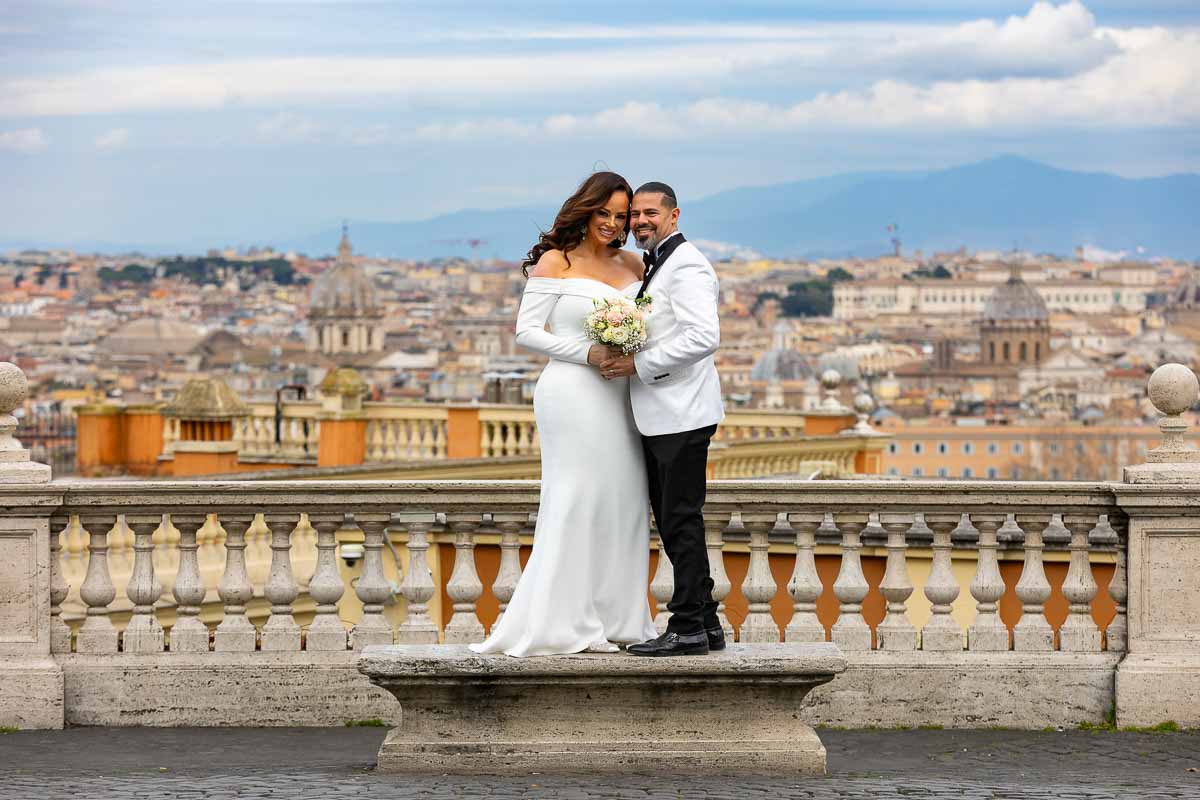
(286, 127)
(114, 139)
(1150, 84)
(24, 140)
(1050, 40)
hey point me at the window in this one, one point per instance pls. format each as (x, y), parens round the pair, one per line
(1053, 447)
(993, 473)
(917, 472)
(1079, 473)
(1015, 474)
(918, 448)
(1023, 353)
(345, 338)
(1080, 449)
(943, 472)
(1007, 353)
(893, 448)
(893, 471)
(1037, 351)
(967, 473)
(1055, 475)
(1103, 447)
(943, 448)
(992, 352)
(993, 449)
(1017, 448)
(968, 448)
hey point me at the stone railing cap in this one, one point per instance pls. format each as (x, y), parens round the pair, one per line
(742, 660)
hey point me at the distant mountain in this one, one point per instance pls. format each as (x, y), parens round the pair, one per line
(997, 204)
(1001, 203)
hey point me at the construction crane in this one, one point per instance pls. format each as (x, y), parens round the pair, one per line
(472, 243)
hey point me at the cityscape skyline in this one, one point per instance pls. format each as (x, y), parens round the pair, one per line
(234, 122)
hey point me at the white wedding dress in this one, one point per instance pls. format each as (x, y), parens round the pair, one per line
(585, 582)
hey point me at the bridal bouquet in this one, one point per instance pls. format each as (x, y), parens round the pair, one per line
(619, 322)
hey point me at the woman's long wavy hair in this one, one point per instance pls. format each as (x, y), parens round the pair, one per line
(570, 225)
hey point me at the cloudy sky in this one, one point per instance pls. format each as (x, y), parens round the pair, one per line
(212, 123)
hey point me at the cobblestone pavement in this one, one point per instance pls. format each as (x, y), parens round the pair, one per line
(212, 764)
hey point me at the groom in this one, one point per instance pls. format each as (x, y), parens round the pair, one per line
(676, 397)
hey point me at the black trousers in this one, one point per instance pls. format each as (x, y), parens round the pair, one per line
(676, 465)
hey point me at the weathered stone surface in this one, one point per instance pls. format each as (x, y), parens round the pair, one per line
(217, 689)
(967, 690)
(31, 693)
(1153, 688)
(602, 712)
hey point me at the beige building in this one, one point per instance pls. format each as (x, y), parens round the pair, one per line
(974, 449)
(856, 300)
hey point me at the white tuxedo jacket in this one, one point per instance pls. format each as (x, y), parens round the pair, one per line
(676, 388)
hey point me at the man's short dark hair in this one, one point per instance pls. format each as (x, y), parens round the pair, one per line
(657, 187)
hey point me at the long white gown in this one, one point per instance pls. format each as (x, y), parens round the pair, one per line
(586, 578)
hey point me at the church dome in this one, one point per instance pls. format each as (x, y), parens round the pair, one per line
(344, 290)
(781, 365)
(149, 336)
(1015, 300)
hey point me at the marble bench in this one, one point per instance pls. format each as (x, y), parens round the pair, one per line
(737, 710)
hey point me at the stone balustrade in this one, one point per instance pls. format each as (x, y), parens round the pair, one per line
(955, 603)
(420, 431)
(765, 526)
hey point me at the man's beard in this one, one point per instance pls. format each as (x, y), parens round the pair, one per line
(650, 243)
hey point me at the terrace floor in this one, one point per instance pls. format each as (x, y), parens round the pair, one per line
(212, 763)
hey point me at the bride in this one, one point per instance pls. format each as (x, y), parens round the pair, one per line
(584, 587)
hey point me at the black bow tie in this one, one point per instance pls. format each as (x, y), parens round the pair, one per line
(649, 260)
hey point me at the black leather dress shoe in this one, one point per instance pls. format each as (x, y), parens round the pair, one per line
(716, 638)
(672, 644)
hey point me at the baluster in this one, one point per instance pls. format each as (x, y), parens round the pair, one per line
(942, 631)
(485, 439)
(143, 634)
(715, 523)
(464, 588)
(427, 441)
(375, 440)
(97, 634)
(496, 448)
(759, 585)
(1033, 632)
(805, 584)
(404, 441)
(188, 634)
(313, 444)
(281, 633)
(235, 633)
(988, 632)
(851, 632)
(510, 525)
(60, 633)
(1117, 633)
(418, 627)
(372, 588)
(1079, 632)
(439, 439)
(326, 587)
(662, 587)
(896, 632)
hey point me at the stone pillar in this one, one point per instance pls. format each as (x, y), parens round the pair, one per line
(343, 439)
(31, 683)
(1159, 678)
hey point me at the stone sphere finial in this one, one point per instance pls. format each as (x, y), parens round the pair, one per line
(1173, 389)
(14, 387)
(864, 403)
(831, 379)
